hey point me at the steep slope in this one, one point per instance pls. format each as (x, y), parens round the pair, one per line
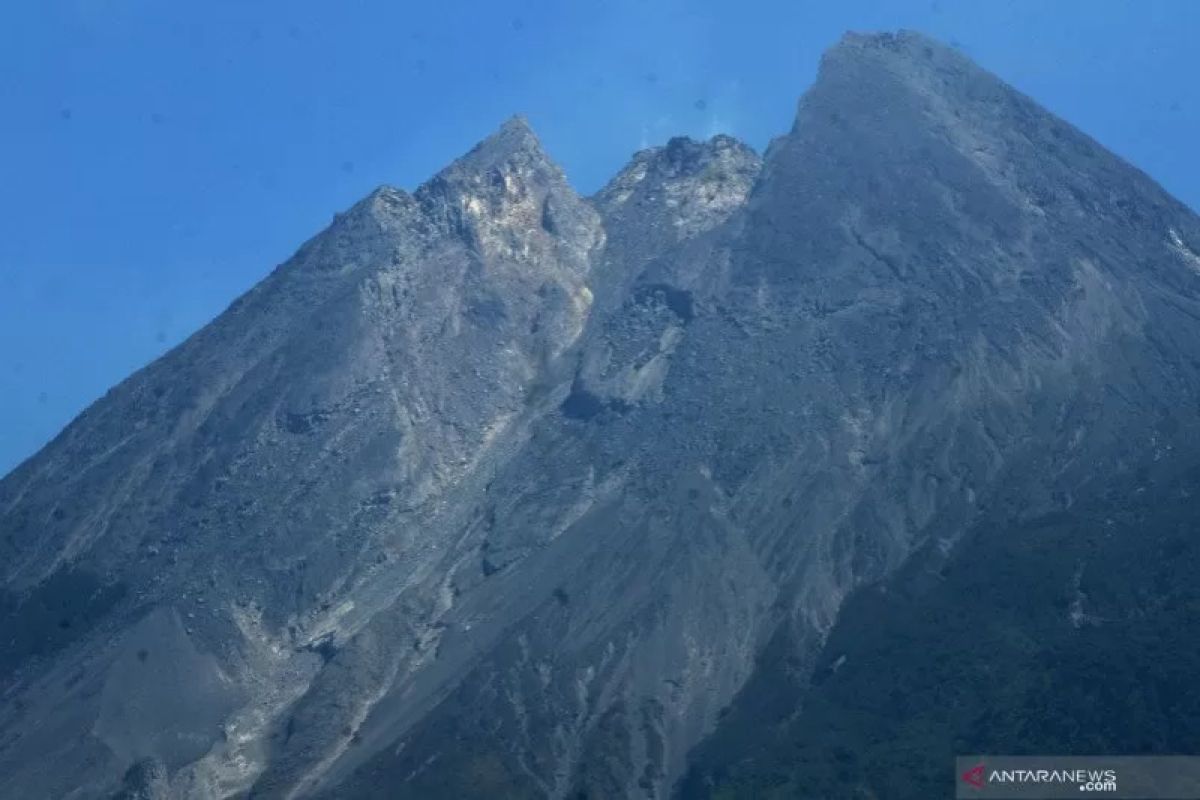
(938, 300)
(254, 498)
(1072, 633)
(1059, 339)
(492, 491)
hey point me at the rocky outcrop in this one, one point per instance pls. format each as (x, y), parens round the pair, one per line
(496, 491)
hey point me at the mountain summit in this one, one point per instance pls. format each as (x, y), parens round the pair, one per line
(497, 491)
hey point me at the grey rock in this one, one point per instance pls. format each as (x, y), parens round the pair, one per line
(492, 490)
(147, 779)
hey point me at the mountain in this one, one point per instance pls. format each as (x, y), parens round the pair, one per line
(788, 476)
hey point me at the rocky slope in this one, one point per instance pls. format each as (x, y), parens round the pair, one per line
(496, 491)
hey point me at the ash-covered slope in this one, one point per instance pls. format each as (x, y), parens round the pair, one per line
(493, 491)
(1050, 297)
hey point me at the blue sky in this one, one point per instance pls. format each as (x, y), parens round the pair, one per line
(157, 159)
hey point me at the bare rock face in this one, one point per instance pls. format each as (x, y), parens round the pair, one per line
(145, 780)
(496, 491)
(669, 194)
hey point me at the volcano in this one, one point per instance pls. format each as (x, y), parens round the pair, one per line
(789, 475)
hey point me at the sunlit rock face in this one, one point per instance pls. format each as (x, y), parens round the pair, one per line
(687, 187)
(497, 491)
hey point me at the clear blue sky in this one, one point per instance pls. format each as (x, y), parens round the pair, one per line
(158, 158)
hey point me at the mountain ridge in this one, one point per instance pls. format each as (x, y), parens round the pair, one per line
(494, 490)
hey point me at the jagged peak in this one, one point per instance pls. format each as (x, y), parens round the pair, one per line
(911, 82)
(683, 154)
(903, 42)
(913, 58)
(507, 197)
(512, 144)
(705, 178)
(516, 125)
(903, 49)
(508, 163)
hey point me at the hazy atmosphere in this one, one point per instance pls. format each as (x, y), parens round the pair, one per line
(157, 159)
